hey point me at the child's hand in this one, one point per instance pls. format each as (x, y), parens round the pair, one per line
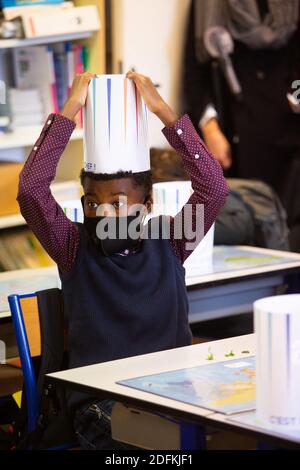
(152, 98)
(77, 97)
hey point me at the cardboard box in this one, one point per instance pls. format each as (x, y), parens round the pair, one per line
(9, 181)
(143, 429)
(55, 22)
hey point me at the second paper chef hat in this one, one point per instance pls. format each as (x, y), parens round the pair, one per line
(115, 123)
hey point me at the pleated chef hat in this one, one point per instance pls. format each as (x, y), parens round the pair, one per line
(115, 123)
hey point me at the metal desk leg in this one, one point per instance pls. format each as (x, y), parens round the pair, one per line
(293, 283)
(192, 437)
(266, 446)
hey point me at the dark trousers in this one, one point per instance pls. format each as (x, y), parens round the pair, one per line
(92, 424)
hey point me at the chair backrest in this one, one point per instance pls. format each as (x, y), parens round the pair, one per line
(39, 329)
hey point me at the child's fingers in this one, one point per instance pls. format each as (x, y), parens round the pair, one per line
(84, 77)
(137, 77)
(89, 75)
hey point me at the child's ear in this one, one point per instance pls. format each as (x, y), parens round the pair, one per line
(148, 202)
(82, 202)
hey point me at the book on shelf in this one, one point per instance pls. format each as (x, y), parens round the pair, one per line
(5, 77)
(26, 107)
(42, 19)
(33, 69)
(58, 21)
(20, 249)
(38, 84)
(69, 60)
(22, 3)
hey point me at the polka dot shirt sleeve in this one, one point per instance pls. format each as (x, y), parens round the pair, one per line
(208, 183)
(58, 235)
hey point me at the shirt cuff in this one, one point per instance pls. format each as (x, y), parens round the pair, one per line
(176, 134)
(209, 113)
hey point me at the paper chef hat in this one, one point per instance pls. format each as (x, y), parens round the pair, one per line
(168, 199)
(277, 328)
(115, 124)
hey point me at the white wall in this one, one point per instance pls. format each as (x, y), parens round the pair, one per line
(149, 36)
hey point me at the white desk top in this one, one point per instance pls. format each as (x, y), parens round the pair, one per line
(103, 377)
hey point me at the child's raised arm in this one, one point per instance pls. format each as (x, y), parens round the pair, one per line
(58, 235)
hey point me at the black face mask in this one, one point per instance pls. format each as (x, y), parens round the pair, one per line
(114, 234)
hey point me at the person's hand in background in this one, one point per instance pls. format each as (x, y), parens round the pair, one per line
(77, 96)
(217, 143)
(294, 103)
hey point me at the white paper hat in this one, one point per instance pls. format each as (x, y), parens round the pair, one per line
(277, 328)
(115, 124)
(73, 210)
(168, 199)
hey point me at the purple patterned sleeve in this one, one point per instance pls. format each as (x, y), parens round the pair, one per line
(58, 235)
(208, 182)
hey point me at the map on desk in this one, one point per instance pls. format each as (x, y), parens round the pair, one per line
(225, 387)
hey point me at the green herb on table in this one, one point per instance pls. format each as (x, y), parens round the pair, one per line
(210, 356)
(230, 354)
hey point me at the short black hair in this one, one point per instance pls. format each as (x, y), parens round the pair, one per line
(142, 179)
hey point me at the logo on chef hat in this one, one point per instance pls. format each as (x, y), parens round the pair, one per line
(115, 122)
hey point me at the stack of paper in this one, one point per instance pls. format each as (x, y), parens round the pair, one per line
(26, 107)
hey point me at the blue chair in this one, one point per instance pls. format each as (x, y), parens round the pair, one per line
(39, 328)
(40, 333)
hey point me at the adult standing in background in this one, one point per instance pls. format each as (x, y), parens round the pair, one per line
(257, 133)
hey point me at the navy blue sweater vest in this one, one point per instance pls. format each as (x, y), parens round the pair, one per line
(120, 306)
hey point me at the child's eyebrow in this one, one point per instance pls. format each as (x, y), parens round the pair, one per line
(90, 194)
(119, 193)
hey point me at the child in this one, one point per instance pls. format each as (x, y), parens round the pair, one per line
(125, 298)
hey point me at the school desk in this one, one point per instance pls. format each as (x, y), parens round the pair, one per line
(101, 380)
(229, 285)
(237, 276)
(25, 281)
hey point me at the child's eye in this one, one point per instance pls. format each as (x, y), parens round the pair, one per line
(92, 205)
(118, 204)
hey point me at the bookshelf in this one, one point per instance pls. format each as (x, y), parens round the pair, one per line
(14, 220)
(11, 43)
(71, 161)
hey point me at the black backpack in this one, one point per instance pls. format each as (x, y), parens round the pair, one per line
(252, 215)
